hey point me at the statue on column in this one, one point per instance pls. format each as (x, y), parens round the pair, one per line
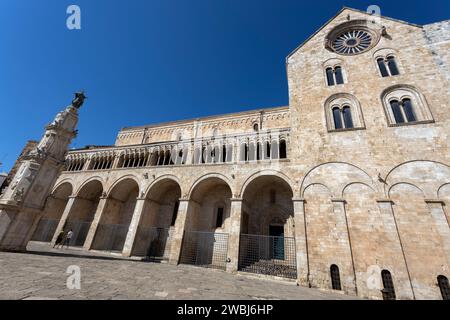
(79, 99)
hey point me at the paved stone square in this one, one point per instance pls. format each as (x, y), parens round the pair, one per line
(42, 275)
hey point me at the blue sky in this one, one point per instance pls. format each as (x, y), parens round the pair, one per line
(148, 61)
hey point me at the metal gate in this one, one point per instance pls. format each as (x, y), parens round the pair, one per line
(45, 230)
(268, 255)
(205, 249)
(110, 237)
(153, 243)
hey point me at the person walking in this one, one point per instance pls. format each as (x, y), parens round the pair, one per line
(68, 238)
(59, 239)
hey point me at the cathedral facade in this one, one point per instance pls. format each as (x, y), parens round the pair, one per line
(347, 188)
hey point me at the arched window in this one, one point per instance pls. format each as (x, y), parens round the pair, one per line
(224, 153)
(388, 66)
(330, 77)
(160, 158)
(396, 110)
(444, 286)
(335, 277)
(382, 67)
(403, 111)
(244, 152)
(337, 118)
(408, 110)
(388, 285)
(267, 150)
(283, 149)
(334, 76)
(338, 75)
(347, 115)
(392, 66)
(258, 151)
(203, 154)
(255, 127)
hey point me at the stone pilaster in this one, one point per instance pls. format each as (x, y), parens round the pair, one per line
(94, 224)
(65, 215)
(301, 244)
(436, 208)
(178, 232)
(404, 288)
(348, 275)
(234, 236)
(134, 225)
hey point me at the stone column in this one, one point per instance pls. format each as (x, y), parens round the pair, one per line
(115, 161)
(436, 208)
(234, 236)
(236, 150)
(64, 216)
(178, 232)
(301, 244)
(134, 225)
(94, 224)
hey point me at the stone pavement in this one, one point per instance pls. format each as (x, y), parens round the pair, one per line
(42, 275)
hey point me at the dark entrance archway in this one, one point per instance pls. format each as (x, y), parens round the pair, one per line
(156, 226)
(267, 244)
(83, 212)
(116, 217)
(205, 241)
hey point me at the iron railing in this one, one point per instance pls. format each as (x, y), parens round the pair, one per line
(45, 230)
(152, 243)
(268, 255)
(205, 249)
(110, 237)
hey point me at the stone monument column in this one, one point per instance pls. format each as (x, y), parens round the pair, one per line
(22, 202)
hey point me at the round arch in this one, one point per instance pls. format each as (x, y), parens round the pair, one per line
(88, 181)
(127, 178)
(212, 177)
(266, 173)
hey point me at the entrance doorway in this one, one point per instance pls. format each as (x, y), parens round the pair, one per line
(277, 232)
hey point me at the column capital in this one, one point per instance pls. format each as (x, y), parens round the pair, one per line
(296, 199)
(437, 201)
(236, 199)
(337, 200)
(385, 201)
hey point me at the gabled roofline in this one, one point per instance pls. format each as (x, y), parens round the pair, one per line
(335, 16)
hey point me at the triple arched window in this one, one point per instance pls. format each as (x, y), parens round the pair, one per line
(334, 75)
(388, 66)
